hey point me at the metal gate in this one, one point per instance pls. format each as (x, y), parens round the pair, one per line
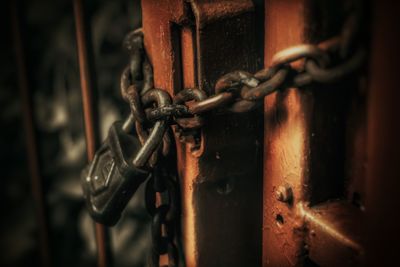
(293, 165)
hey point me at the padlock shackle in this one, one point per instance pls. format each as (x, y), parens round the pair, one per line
(151, 144)
(161, 99)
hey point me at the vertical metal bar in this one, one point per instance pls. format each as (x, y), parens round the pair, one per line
(30, 135)
(87, 81)
(286, 140)
(190, 44)
(90, 110)
(305, 152)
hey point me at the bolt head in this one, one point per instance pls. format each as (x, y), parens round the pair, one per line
(284, 194)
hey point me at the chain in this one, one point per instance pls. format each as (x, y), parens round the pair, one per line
(161, 189)
(239, 91)
(161, 204)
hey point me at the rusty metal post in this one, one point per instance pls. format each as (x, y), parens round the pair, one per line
(192, 44)
(30, 135)
(90, 110)
(312, 158)
(286, 140)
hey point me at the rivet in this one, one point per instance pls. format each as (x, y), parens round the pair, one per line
(284, 194)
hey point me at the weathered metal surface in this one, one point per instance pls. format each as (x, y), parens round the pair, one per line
(334, 234)
(311, 152)
(193, 44)
(383, 143)
(286, 142)
(90, 111)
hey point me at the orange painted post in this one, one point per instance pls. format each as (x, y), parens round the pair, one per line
(286, 129)
(314, 148)
(193, 44)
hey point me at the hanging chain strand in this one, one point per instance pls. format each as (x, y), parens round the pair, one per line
(161, 204)
(239, 91)
(161, 190)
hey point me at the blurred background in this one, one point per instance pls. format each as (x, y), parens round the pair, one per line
(49, 41)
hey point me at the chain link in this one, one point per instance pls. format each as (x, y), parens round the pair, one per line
(238, 91)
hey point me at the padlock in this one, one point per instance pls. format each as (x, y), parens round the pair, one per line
(117, 171)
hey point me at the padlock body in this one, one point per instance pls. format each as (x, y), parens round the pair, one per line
(111, 179)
